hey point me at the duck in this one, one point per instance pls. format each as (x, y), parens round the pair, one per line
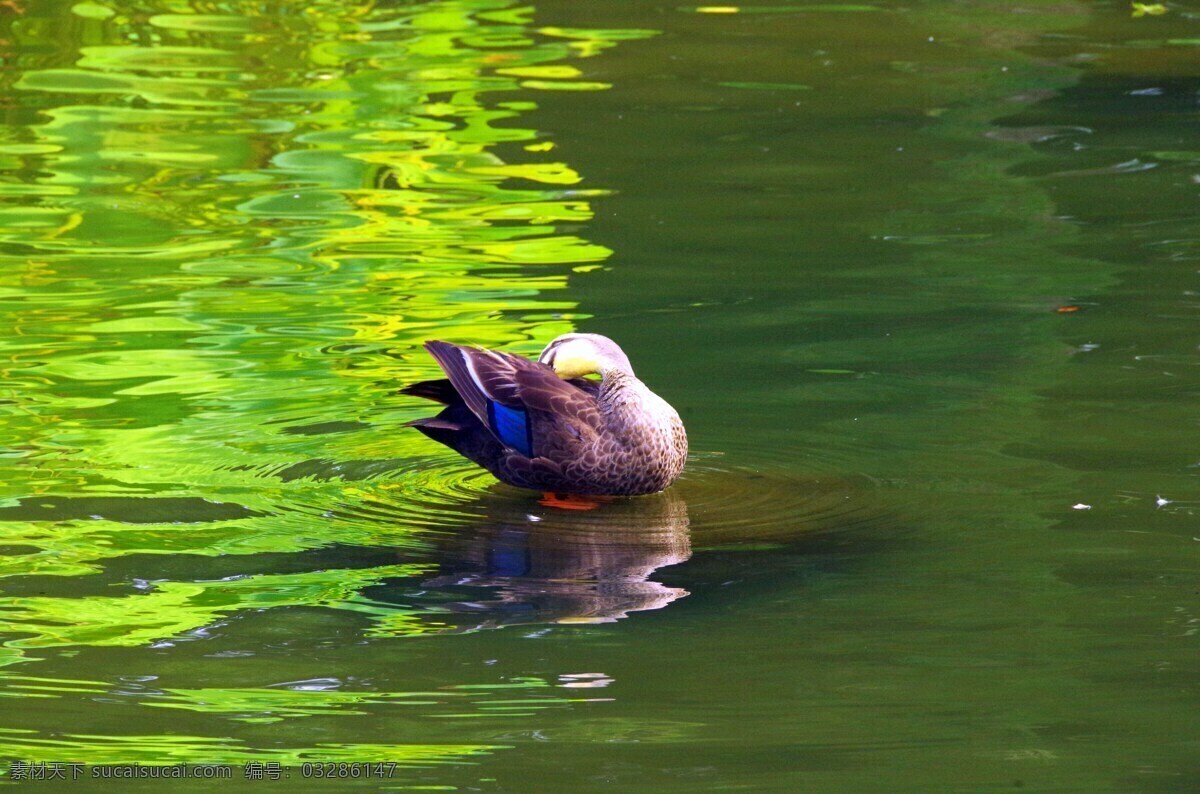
(546, 426)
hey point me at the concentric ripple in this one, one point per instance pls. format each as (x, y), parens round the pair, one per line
(742, 503)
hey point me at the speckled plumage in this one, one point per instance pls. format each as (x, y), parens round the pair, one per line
(615, 437)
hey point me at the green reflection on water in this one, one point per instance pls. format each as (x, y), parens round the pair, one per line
(223, 237)
(171, 608)
(167, 749)
(191, 284)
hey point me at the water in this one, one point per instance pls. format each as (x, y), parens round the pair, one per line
(921, 280)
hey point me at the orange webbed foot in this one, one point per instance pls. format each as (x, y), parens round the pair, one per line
(566, 501)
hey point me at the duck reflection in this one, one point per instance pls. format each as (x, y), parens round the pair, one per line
(541, 563)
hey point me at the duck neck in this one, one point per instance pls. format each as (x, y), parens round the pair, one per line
(618, 386)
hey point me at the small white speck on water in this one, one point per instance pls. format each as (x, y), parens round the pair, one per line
(586, 684)
(1160, 501)
(1081, 506)
(584, 680)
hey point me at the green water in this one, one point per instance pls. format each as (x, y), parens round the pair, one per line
(921, 280)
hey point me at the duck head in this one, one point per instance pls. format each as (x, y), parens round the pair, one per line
(576, 355)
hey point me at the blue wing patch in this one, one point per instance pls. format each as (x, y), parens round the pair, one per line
(511, 425)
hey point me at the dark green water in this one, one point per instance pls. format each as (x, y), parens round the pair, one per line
(921, 279)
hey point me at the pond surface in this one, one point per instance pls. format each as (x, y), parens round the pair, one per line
(922, 280)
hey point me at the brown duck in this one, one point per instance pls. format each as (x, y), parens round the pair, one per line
(543, 425)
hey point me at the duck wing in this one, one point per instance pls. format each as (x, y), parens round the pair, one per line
(524, 404)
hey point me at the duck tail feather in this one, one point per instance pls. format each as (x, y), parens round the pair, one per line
(435, 423)
(440, 391)
(452, 359)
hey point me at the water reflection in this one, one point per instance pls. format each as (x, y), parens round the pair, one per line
(502, 557)
(543, 564)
